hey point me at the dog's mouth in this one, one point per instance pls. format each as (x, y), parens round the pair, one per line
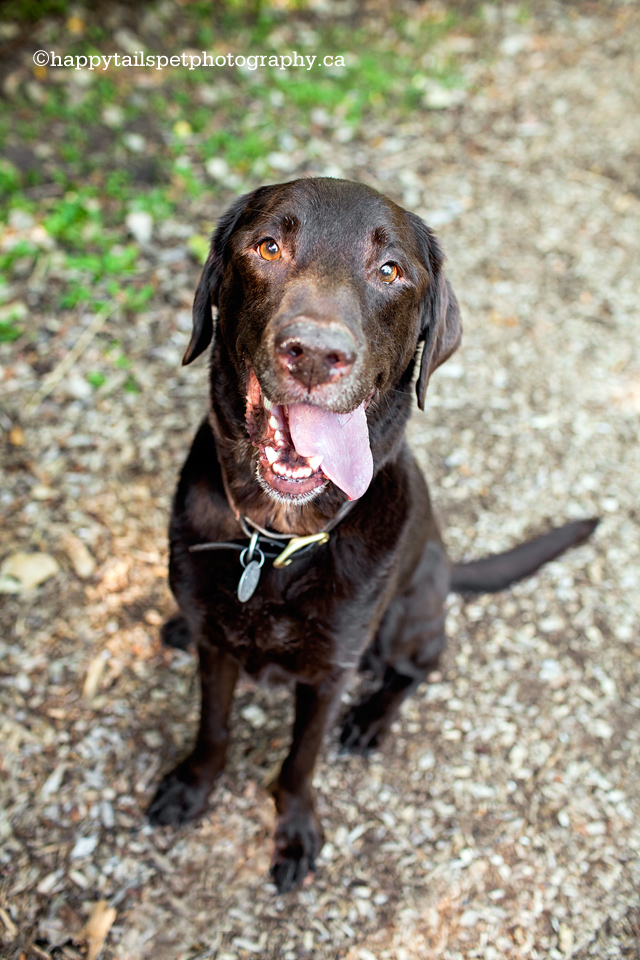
(302, 446)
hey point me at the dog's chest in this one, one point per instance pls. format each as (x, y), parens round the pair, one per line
(303, 619)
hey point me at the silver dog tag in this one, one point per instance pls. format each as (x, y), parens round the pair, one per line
(251, 559)
(249, 581)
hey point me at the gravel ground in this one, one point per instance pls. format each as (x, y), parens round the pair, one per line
(501, 818)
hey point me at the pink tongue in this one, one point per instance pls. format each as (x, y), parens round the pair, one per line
(341, 438)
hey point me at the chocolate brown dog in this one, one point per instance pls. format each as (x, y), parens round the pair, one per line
(302, 535)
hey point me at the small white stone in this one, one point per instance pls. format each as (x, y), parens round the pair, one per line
(517, 756)
(281, 161)
(515, 44)
(53, 781)
(153, 739)
(438, 97)
(549, 670)
(601, 729)
(217, 168)
(254, 715)
(107, 815)
(47, 884)
(135, 142)
(128, 41)
(22, 683)
(84, 847)
(113, 116)
(427, 761)
(21, 220)
(76, 387)
(596, 828)
(140, 225)
(42, 492)
(469, 918)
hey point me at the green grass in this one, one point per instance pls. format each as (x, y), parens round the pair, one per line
(9, 331)
(21, 249)
(114, 360)
(97, 178)
(97, 378)
(10, 179)
(31, 11)
(10, 327)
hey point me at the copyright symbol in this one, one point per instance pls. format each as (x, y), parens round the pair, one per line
(41, 58)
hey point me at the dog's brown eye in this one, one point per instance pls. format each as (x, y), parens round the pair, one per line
(269, 249)
(389, 272)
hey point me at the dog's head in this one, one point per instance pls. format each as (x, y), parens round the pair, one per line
(324, 290)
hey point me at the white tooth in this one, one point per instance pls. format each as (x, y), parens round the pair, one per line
(278, 468)
(279, 435)
(273, 423)
(270, 454)
(306, 471)
(314, 462)
(266, 403)
(280, 442)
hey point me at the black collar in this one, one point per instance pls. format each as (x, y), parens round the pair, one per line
(265, 542)
(261, 543)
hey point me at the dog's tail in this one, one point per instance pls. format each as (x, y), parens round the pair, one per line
(494, 573)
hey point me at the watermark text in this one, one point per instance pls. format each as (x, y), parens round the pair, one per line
(194, 61)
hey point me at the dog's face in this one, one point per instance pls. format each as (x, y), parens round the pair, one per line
(324, 290)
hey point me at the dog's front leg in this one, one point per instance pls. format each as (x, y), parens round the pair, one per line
(298, 836)
(183, 793)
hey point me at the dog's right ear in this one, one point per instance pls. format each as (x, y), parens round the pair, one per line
(440, 327)
(209, 283)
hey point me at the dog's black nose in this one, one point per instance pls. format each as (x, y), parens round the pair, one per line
(315, 353)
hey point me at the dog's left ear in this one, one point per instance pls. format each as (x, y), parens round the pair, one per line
(210, 280)
(440, 324)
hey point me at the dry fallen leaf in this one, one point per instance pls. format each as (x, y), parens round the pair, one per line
(43, 492)
(76, 26)
(94, 675)
(565, 939)
(21, 572)
(16, 437)
(10, 926)
(83, 563)
(97, 927)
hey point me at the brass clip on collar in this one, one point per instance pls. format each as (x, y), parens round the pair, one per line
(298, 543)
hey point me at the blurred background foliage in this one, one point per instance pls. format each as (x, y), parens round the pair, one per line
(93, 162)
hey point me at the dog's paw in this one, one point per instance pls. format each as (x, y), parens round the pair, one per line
(180, 797)
(297, 846)
(362, 732)
(175, 633)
